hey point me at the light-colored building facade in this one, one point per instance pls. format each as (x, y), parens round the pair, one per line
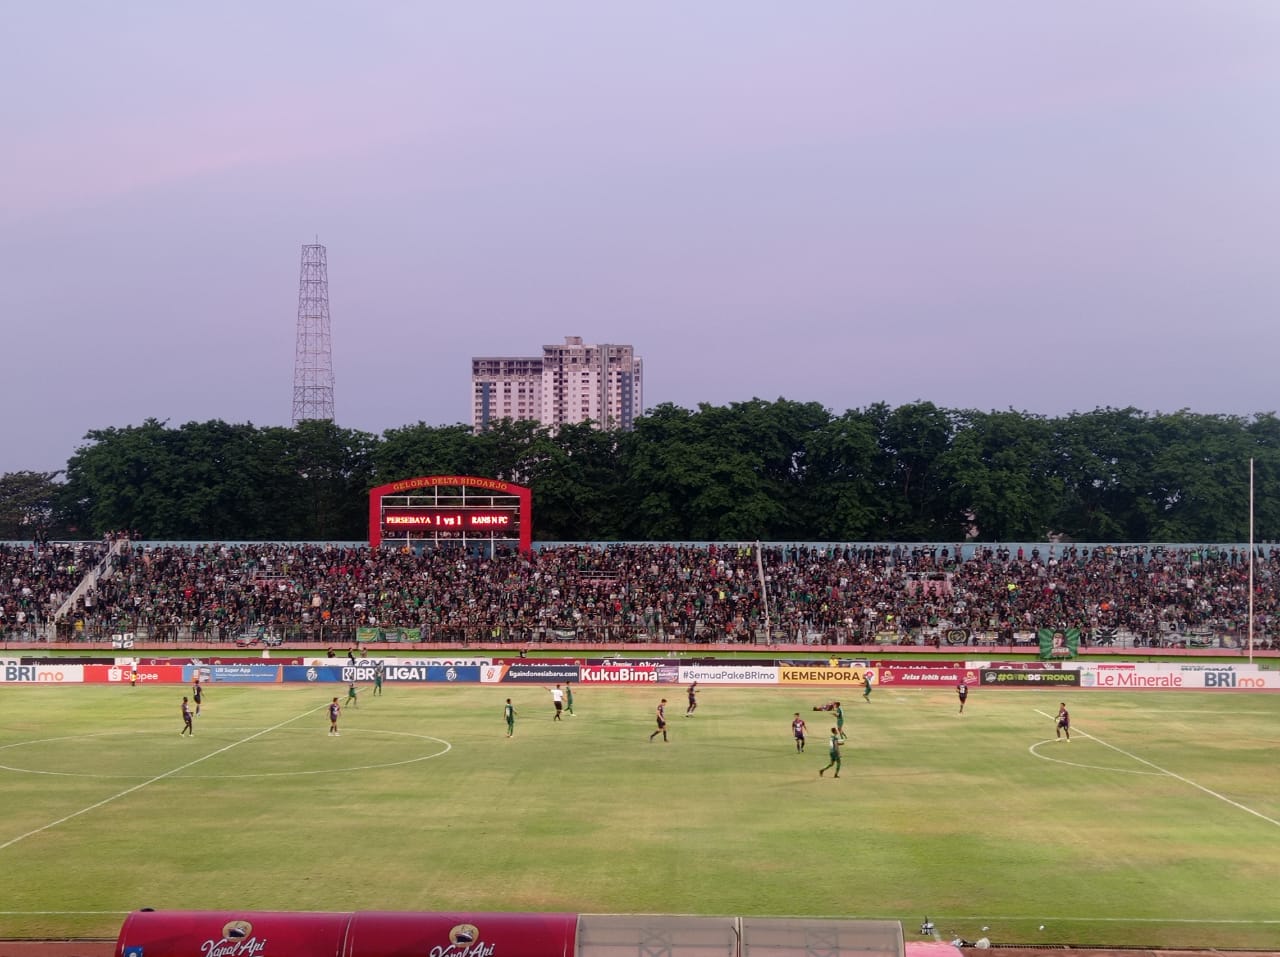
(569, 383)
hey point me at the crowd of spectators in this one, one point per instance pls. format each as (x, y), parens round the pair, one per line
(656, 592)
(36, 580)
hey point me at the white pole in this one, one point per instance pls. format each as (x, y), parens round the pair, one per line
(764, 594)
(1251, 561)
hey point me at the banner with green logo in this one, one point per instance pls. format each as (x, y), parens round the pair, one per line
(1058, 643)
(388, 634)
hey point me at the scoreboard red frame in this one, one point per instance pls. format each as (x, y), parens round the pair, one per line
(494, 506)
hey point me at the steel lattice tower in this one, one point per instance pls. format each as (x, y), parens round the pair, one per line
(313, 357)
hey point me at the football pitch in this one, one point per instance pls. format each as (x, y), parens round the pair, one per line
(1158, 825)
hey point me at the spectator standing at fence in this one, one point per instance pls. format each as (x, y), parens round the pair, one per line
(187, 727)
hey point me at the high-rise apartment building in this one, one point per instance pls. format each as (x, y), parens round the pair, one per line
(568, 383)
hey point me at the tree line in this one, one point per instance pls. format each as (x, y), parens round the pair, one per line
(774, 471)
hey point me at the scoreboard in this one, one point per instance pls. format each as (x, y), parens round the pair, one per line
(476, 513)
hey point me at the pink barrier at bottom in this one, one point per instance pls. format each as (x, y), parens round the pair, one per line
(363, 934)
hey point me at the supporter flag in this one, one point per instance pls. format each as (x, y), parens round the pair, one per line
(1059, 642)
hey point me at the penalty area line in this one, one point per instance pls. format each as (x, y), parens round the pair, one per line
(1172, 774)
(159, 777)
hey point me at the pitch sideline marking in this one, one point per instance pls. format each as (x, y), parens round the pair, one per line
(1172, 774)
(159, 777)
(211, 777)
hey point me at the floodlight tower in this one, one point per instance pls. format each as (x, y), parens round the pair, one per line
(313, 356)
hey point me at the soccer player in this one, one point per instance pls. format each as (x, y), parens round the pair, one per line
(568, 697)
(351, 695)
(662, 721)
(557, 699)
(834, 744)
(379, 670)
(962, 692)
(509, 713)
(335, 710)
(866, 686)
(1064, 722)
(798, 729)
(693, 700)
(197, 694)
(840, 721)
(186, 720)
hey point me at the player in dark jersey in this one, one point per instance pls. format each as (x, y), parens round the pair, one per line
(197, 694)
(186, 719)
(797, 730)
(661, 715)
(335, 710)
(1064, 722)
(693, 700)
(962, 692)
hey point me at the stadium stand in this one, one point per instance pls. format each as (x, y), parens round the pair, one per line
(1132, 595)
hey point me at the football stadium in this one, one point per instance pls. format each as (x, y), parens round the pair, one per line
(660, 746)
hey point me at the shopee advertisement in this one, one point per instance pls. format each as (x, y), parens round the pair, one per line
(122, 674)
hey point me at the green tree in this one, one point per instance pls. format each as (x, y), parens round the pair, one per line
(911, 469)
(334, 473)
(1104, 459)
(425, 450)
(1199, 481)
(1004, 474)
(28, 506)
(717, 474)
(579, 486)
(842, 500)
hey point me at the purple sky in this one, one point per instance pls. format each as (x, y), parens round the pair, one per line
(1043, 206)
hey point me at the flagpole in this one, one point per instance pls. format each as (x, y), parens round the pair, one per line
(764, 593)
(1251, 559)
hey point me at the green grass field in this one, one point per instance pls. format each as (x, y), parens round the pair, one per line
(1158, 825)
